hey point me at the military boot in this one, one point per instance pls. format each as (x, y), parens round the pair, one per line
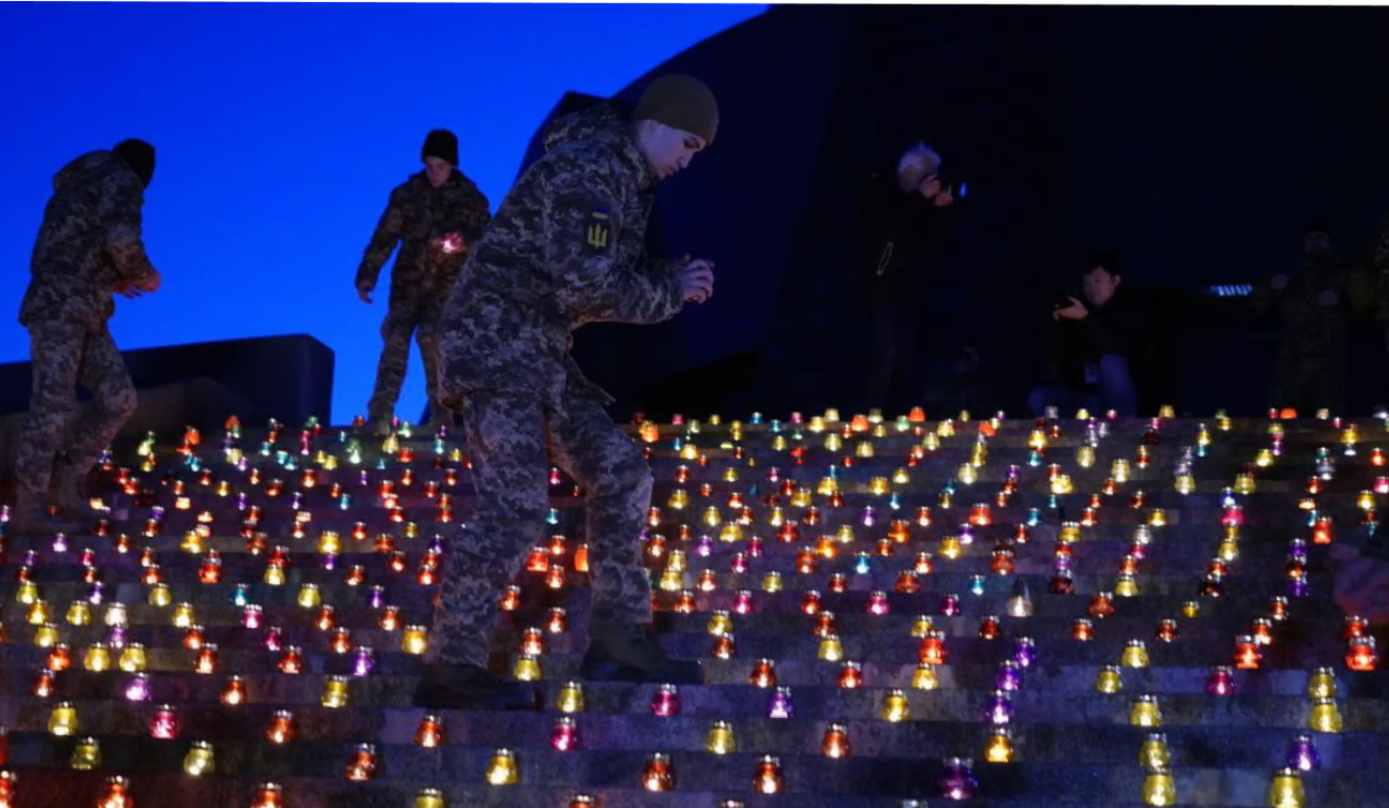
(73, 501)
(469, 687)
(626, 652)
(32, 518)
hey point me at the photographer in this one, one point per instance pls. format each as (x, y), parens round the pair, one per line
(902, 228)
(1101, 347)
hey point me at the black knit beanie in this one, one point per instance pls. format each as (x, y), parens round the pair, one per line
(443, 144)
(139, 155)
(681, 102)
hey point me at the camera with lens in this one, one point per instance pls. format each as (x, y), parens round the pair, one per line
(949, 183)
(953, 184)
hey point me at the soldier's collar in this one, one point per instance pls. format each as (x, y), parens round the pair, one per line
(646, 175)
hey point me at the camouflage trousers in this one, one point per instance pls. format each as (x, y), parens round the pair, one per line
(512, 440)
(403, 320)
(63, 355)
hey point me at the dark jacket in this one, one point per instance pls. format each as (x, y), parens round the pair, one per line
(900, 232)
(420, 217)
(89, 243)
(566, 248)
(1122, 327)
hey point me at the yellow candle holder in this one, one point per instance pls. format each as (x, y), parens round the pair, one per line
(46, 636)
(1286, 791)
(1322, 684)
(1159, 788)
(1110, 680)
(925, 677)
(79, 613)
(97, 658)
(721, 740)
(571, 698)
(86, 755)
(999, 748)
(503, 771)
(133, 658)
(335, 692)
(527, 668)
(63, 720)
(831, 649)
(414, 640)
(1154, 753)
(896, 707)
(1146, 713)
(199, 760)
(1325, 716)
(26, 593)
(1135, 655)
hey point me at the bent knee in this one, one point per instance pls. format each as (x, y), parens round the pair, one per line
(121, 402)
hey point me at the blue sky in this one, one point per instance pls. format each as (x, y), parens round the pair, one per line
(280, 131)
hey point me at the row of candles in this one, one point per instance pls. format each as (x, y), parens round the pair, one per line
(1286, 788)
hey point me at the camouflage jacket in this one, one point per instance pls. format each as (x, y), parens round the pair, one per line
(567, 248)
(1313, 310)
(88, 245)
(435, 227)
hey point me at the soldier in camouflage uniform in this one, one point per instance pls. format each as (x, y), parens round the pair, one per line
(88, 249)
(435, 216)
(1313, 307)
(565, 249)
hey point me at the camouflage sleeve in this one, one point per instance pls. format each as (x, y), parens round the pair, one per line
(477, 216)
(120, 212)
(583, 229)
(383, 242)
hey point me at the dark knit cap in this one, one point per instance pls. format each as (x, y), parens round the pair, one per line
(139, 155)
(681, 102)
(443, 144)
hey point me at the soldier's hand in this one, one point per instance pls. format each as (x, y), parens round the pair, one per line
(364, 292)
(1278, 282)
(151, 283)
(696, 279)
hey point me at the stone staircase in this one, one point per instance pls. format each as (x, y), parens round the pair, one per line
(889, 613)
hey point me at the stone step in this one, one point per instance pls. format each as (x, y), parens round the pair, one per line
(1011, 786)
(1256, 710)
(239, 749)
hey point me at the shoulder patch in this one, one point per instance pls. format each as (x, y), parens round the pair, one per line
(598, 229)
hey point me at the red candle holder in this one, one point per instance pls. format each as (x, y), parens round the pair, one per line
(430, 732)
(1361, 656)
(1248, 657)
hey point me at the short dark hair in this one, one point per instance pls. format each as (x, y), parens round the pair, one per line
(1106, 260)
